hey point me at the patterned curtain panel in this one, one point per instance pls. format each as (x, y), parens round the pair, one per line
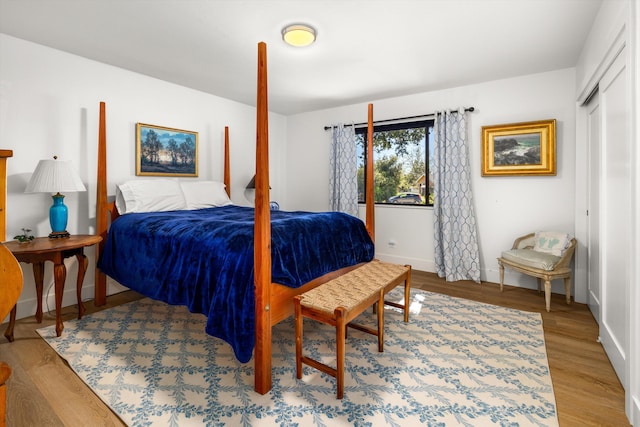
(343, 191)
(455, 235)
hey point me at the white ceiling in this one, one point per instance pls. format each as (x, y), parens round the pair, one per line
(365, 49)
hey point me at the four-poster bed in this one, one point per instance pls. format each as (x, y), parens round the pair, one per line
(272, 302)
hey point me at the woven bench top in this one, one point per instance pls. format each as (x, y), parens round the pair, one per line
(352, 288)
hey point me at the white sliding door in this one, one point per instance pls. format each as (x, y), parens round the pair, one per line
(593, 211)
(615, 213)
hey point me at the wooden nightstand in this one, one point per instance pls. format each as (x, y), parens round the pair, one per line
(44, 249)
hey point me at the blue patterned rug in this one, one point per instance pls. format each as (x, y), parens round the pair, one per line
(457, 362)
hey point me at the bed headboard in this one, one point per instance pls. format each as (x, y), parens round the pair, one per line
(4, 154)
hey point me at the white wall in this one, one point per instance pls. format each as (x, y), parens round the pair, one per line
(49, 104)
(506, 207)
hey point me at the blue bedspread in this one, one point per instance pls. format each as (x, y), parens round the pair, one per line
(204, 259)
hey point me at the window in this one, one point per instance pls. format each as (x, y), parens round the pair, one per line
(402, 163)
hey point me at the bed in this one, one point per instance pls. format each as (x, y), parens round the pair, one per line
(265, 275)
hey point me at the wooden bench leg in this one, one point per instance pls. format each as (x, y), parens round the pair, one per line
(298, 327)
(407, 295)
(341, 326)
(381, 322)
(501, 275)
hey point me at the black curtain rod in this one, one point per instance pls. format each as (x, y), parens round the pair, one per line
(470, 109)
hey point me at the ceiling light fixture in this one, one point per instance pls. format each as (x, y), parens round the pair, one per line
(299, 35)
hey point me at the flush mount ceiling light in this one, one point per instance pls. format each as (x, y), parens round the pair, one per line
(298, 35)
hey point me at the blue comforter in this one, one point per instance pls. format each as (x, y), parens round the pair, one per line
(204, 259)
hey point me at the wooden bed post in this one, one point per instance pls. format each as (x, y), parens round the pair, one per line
(100, 297)
(227, 173)
(262, 234)
(369, 202)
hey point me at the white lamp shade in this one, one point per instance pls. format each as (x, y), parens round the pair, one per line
(54, 176)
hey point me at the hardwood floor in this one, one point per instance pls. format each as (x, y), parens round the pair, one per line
(43, 391)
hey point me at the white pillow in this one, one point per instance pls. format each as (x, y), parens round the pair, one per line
(552, 242)
(149, 195)
(204, 194)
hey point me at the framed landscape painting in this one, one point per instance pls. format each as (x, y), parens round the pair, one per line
(519, 149)
(163, 151)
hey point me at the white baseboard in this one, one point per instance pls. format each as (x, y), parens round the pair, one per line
(27, 307)
(416, 264)
(511, 278)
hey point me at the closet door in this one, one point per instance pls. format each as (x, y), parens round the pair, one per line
(593, 209)
(615, 212)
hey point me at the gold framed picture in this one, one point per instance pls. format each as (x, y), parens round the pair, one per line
(527, 148)
(163, 151)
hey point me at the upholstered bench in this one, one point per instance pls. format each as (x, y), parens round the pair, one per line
(339, 301)
(543, 255)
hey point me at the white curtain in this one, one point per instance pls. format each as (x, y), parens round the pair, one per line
(455, 235)
(343, 190)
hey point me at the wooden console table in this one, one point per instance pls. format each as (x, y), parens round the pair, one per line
(42, 249)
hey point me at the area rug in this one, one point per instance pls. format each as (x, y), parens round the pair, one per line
(456, 362)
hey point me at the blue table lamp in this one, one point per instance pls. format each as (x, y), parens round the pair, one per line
(54, 176)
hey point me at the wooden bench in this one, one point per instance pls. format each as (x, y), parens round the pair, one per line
(344, 298)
